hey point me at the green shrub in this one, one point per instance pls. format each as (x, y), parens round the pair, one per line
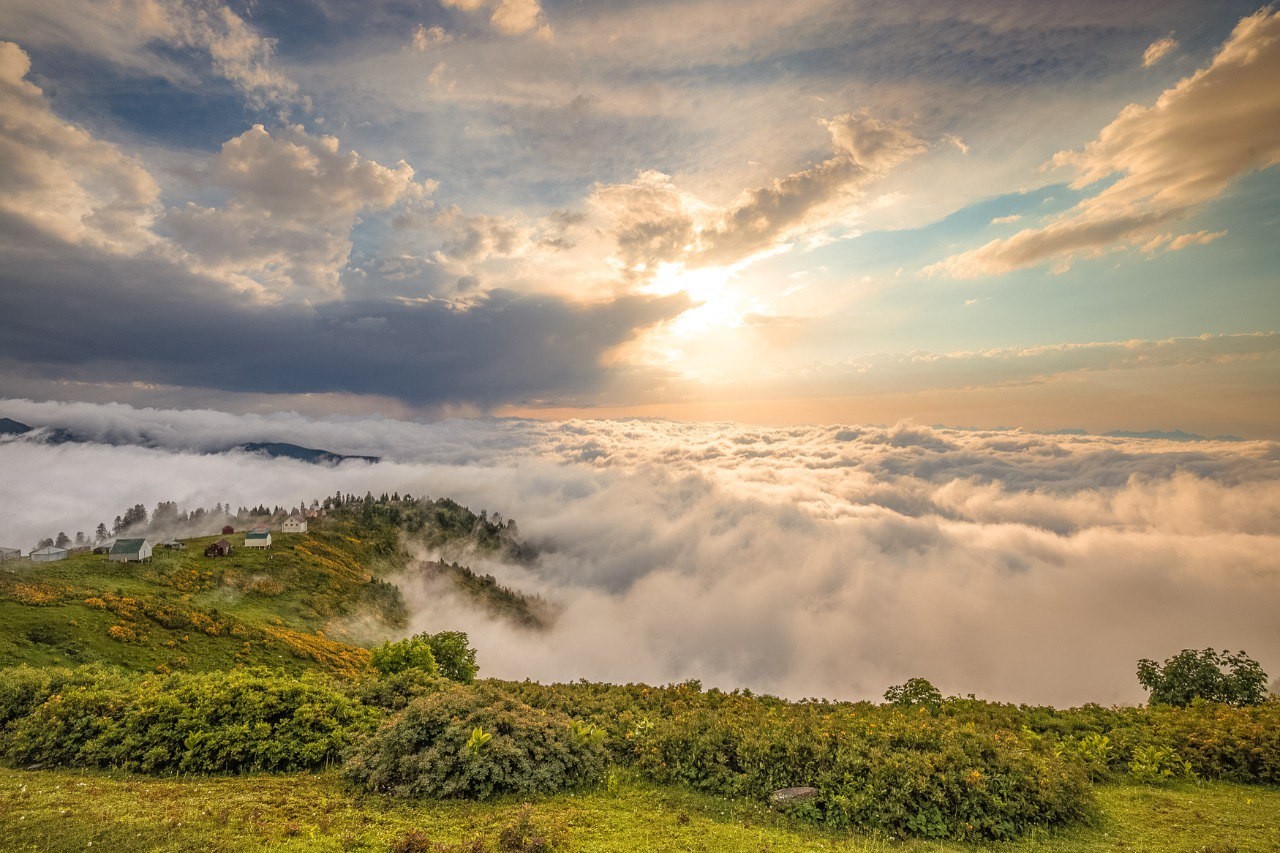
(394, 692)
(908, 772)
(1152, 765)
(476, 744)
(218, 722)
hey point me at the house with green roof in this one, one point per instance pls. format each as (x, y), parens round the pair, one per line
(130, 551)
(258, 539)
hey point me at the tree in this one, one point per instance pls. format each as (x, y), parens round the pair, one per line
(80, 538)
(63, 540)
(456, 659)
(445, 653)
(916, 693)
(1235, 679)
(101, 534)
(413, 653)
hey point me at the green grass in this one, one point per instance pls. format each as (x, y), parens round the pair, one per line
(66, 810)
(54, 613)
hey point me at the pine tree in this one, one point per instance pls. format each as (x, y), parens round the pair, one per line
(63, 540)
(101, 534)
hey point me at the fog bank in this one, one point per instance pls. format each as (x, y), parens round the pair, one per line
(803, 561)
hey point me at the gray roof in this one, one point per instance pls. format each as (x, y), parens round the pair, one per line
(50, 549)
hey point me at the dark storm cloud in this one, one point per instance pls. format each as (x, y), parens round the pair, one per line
(73, 314)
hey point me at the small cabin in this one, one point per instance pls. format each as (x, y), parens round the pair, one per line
(49, 554)
(294, 524)
(221, 548)
(257, 540)
(10, 554)
(175, 545)
(130, 551)
(103, 547)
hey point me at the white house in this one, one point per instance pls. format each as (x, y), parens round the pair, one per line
(129, 551)
(48, 554)
(257, 540)
(294, 524)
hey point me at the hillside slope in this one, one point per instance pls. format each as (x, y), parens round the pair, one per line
(294, 606)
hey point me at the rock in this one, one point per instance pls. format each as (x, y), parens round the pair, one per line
(791, 796)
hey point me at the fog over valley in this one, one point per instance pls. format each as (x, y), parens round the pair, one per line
(804, 561)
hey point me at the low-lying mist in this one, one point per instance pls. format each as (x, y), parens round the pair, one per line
(805, 561)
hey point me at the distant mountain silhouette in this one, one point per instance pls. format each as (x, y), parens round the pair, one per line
(272, 449)
(283, 450)
(1173, 435)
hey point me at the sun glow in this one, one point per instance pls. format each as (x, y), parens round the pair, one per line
(702, 342)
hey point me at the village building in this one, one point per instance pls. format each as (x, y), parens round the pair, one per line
(221, 548)
(294, 524)
(257, 539)
(130, 551)
(175, 545)
(103, 547)
(10, 554)
(48, 554)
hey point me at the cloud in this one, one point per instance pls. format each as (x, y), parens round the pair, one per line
(425, 38)
(1000, 365)
(509, 17)
(1158, 50)
(653, 221)
(293, 199)
(61, 179)
(148, 319)
(1005, 220)
(1186, 149)
(806, 560)
(149, 36)
(1171, 243)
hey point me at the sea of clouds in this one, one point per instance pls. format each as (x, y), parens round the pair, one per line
(804, 561)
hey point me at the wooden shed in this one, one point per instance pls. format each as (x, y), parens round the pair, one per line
(10, 554)
(221, 548)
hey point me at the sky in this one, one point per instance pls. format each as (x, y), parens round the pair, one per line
(1006, 214)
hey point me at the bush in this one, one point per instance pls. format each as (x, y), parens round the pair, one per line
(476, 744)
(219, 722)
(907, 772)
(394, 692)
